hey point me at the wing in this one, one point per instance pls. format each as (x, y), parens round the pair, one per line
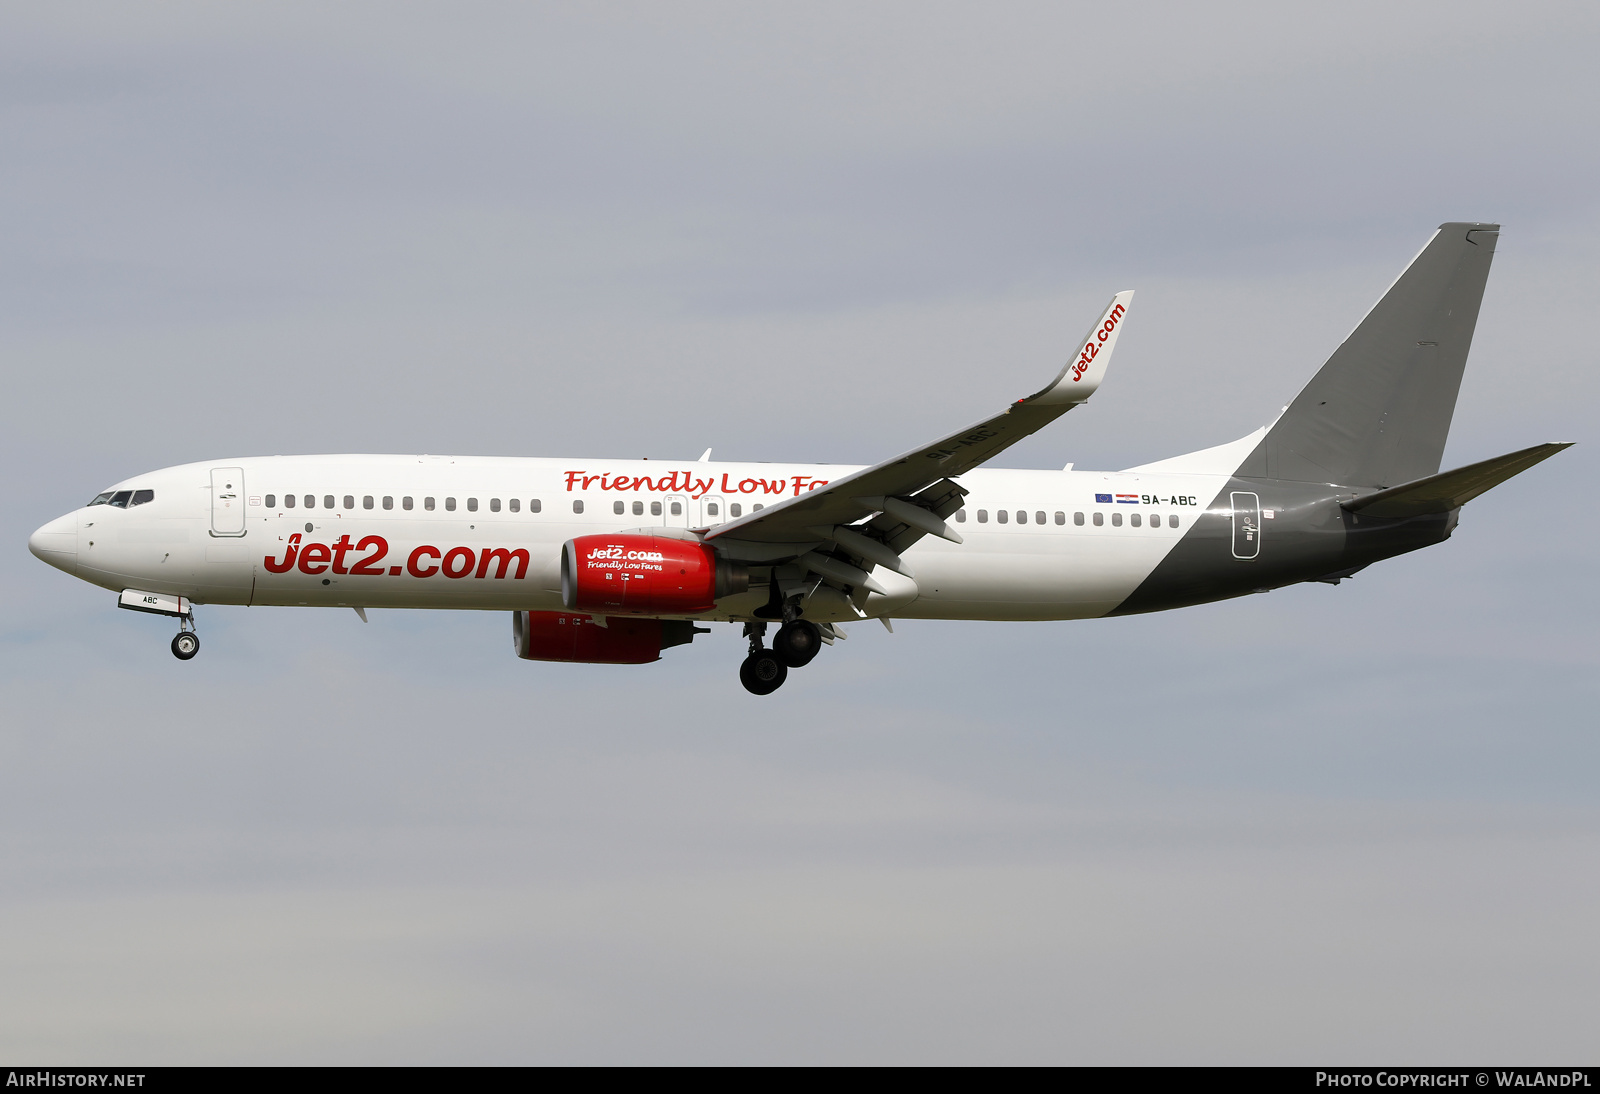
(839, 531)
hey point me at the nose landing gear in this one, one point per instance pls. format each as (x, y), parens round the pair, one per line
(186, 643)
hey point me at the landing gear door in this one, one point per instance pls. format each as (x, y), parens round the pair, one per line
(1246, 525)
(227, 501)
(676, 512)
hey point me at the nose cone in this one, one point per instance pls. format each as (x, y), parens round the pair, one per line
(57, 543)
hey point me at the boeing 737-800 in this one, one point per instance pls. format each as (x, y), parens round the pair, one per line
(614, 561)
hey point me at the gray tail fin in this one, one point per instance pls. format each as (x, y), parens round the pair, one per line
(1379, 411)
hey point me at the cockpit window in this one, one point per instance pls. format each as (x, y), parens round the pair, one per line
(140, 497)
(120, 498)
(101, 499)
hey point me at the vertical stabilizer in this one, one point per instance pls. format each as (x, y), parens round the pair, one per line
(1378, 412)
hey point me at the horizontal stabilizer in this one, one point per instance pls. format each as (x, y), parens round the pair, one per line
(1451, 489)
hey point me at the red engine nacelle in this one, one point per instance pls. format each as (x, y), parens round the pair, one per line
(560, 636)
(645, 575)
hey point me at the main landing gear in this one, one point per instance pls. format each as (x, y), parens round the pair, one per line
(186, 643)
(796, 643)
(761, 673)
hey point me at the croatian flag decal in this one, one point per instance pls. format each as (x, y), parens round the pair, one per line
(1127, 499)
(1102, 499)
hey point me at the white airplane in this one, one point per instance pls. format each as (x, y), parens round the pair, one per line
(613, 561)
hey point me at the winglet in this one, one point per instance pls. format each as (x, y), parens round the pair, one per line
(1082, 375)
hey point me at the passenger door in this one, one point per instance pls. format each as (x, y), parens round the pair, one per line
(227, 501)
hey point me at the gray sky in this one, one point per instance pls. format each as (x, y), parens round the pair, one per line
(1329, 825)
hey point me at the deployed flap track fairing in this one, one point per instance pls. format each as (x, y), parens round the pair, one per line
(615, 561)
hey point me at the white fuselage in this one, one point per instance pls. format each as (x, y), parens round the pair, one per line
(486, 532)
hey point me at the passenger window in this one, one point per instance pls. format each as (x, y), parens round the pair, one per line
(472, 505)
(1002, 515)
(618, 507)
(1155, 520)
(288, 501)
(349, 501)
(516, 505)
(272, 501)
(712, 508)
(535, 506)
(1061, 518)
(757, 507)
(961, 516)
(366, 502)
(1133, 519)
(1022, 517)
(388, 501)
(311, 501)
(655, 509)
(735, 509)
(1099, 519)
(449, 505)
(327, 501)
(1172, 520)
(677, 508)
(427, 503)
(1038, 518)
(577, 506)
(638, 508)
(1116, 520)
(983, 516)
(494, 505)
(405, 503)
(101, 499)
(1077, 519)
